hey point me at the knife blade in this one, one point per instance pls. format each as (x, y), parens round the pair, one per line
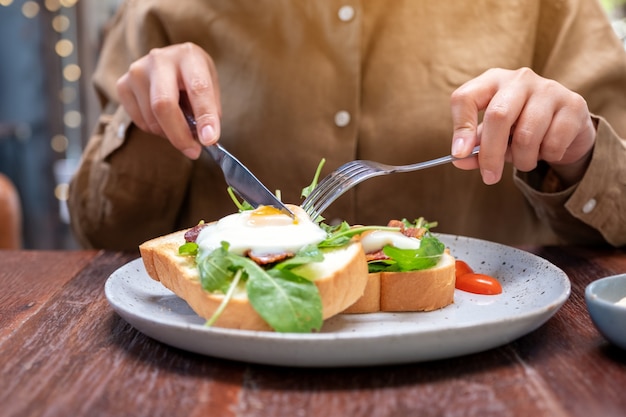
(236, 174)
(242, 181)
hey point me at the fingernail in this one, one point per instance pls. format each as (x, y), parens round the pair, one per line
(489, 177)
(192, 153)
(207, 135)
(457, 146)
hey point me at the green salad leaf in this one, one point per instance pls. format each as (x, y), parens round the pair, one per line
(286, 301)
(341, 234)
(308, 254)
(188, 249)
(216, 269)
(308, 189)
(426, 256)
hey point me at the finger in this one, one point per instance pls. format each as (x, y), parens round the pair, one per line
(200, 82)
(500, 117)
(129, 102)
(466, 102)
(140, 78)
(571, 134)
(529, 132)
(164, 103)
(558, 138)
(471, 162)
(132, 88)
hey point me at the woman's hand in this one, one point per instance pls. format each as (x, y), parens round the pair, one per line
(527, 118)
(151, 89)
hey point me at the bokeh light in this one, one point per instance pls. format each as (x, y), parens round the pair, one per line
(68, 3)
(72, 119)
(61, 191)
(68, 95)
(60, 23)
(64, 48)
(59, 143)
(71, 72)
(30, 9)
(52, 5)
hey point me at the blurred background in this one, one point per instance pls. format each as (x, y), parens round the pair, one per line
(48, 50)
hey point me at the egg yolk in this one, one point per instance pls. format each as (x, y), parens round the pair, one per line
(270, 216)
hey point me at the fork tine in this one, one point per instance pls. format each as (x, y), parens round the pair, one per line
(331, 181)
(333, 185)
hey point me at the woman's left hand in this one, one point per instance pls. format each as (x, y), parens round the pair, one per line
(527, 118)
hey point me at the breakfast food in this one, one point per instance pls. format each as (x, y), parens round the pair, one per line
(409, 270)
(469, 281)
(259, 270)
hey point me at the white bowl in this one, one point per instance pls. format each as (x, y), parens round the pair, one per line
(601, 297)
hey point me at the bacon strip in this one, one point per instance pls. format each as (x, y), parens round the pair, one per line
(416, 232)
(269, 258)
(191, 235)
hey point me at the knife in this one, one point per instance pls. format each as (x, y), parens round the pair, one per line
(236, 174)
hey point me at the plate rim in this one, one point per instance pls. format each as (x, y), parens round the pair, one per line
(547, 311)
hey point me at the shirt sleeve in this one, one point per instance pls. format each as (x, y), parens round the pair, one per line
(594, 210)
(129, 186)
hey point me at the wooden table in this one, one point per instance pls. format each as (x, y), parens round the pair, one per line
(64, 352)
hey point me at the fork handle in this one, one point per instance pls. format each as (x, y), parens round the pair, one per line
(434, 162)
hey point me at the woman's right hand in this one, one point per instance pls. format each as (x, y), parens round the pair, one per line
(151, 89)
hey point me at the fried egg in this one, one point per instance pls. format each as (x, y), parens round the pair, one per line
(264, 230)
(377, 239)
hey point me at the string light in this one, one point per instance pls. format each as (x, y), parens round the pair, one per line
(64, 48)
(59, 143)
(60, 23)
(72, 119)
(52, 5)
(71, 72)
(30, 9)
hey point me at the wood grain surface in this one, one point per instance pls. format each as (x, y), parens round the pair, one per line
(64, 352)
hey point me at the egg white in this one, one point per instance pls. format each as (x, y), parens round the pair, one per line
(262, 231)
(377, 239)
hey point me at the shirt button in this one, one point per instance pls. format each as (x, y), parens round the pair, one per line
(121, 131)
(589, 206)
(342, 118)
(346, 13)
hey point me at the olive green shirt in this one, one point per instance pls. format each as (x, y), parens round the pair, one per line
(343, 80)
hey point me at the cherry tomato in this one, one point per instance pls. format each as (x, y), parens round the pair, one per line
(462, 268)
(478, 284)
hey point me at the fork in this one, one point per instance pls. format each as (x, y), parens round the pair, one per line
(352, 173)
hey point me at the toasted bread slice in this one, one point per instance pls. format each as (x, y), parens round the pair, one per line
(341, 279)
(424, 290)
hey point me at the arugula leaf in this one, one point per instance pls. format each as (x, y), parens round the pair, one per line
(419, 223)
(307, 190)
(215, 269)
(340, 235)
(188, 249)
(286, 301)
(229, 294)
(308, 254)
(241, 206)
(402, 260)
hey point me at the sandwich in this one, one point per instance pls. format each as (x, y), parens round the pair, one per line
(409, 269)
(260, 269)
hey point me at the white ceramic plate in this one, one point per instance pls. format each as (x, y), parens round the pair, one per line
(533, 290)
